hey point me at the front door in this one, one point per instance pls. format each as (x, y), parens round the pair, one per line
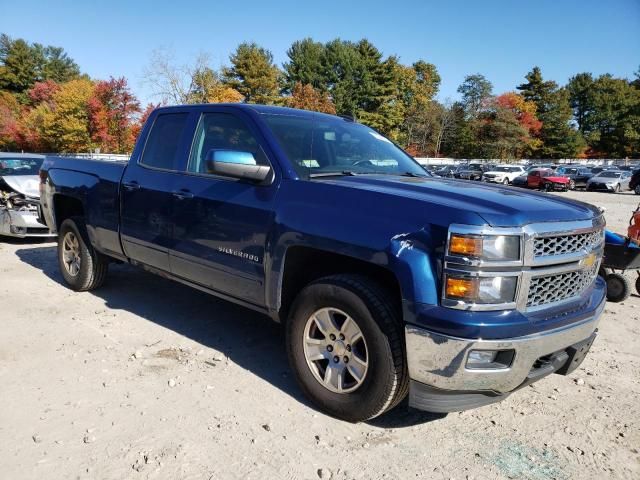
(220, 225)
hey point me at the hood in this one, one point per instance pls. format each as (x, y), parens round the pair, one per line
(28, 185)
(557, 178)
(499, 206)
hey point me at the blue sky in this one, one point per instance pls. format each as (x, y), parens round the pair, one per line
(500, 39)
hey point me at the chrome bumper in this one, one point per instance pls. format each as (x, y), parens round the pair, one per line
(440, 361)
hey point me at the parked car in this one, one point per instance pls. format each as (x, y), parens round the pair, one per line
(447, 171)
(610, 180)
(431, 168)
(471, 171)
(19, 196)
(634, 182)
(545, 179)
(504, 174)
(389, 282)
(577, 176)
(521, 180)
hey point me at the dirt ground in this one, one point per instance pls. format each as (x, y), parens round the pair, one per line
(146, 378)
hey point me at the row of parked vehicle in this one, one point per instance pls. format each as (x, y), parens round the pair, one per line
(547, 177)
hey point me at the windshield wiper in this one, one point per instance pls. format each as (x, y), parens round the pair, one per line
(412, 174)
(349, 173)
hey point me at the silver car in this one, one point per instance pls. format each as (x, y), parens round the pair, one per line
(610, 180)
(20, 196)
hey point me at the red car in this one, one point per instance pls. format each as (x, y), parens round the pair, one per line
(544, 179)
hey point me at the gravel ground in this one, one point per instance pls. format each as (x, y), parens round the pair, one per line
(146, 378)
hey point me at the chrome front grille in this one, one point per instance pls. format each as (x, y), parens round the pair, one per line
(562, 286)
(566, 244)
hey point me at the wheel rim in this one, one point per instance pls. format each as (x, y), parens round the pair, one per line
(335, 350)
(572, 185)
(71, 254)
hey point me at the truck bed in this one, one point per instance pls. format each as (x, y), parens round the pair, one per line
(96, 185)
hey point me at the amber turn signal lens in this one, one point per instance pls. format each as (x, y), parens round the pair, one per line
(463, 288)
(462, 245)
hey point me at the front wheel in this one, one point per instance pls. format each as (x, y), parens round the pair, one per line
(548, 187)
(616, 189)
(572, 185)
(505, 181)
(82, 267)
(345, 346)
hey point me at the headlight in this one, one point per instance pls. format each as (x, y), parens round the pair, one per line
(492, 247)
(482, 290)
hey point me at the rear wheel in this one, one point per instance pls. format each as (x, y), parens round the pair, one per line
(82, 267)
(345, 346)
(618, 288)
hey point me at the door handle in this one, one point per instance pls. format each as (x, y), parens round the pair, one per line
(131, 185)
(182, 194)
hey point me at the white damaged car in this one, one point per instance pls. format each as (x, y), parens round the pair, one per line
(504, 174)
(20, 196)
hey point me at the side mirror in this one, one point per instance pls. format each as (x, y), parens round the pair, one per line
(236, 164)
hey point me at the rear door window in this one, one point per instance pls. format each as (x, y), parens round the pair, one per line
(163, 143)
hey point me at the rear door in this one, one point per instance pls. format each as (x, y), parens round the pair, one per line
(220, 225)
(146, 191)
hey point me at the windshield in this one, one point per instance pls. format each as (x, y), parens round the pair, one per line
(20, 166)
(609, 174)
(318, 145)
(506, 169)
(568, 171)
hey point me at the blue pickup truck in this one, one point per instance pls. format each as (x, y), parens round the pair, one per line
(389, 282)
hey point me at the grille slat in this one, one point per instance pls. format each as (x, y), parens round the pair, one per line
(566, 244)
(558, 287)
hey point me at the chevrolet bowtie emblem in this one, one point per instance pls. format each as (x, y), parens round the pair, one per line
(589, 260)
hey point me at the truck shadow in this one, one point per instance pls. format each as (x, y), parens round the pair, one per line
(248, 338)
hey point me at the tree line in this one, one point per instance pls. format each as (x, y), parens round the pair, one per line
(47, 104)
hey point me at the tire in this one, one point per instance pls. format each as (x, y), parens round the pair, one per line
(638, 285)
(618, 287)
(505, 181)
(90, 270)
(385, 382)
(637, 190)
(616, 189)
(548, 187)
(572, 185)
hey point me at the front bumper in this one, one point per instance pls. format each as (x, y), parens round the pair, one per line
(441, 381)
(21, 224)
(600, 186)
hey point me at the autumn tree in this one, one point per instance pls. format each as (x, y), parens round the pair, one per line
(9, 115)
(305, 97)
(66, 125)
(112, 114)
(253, 74)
